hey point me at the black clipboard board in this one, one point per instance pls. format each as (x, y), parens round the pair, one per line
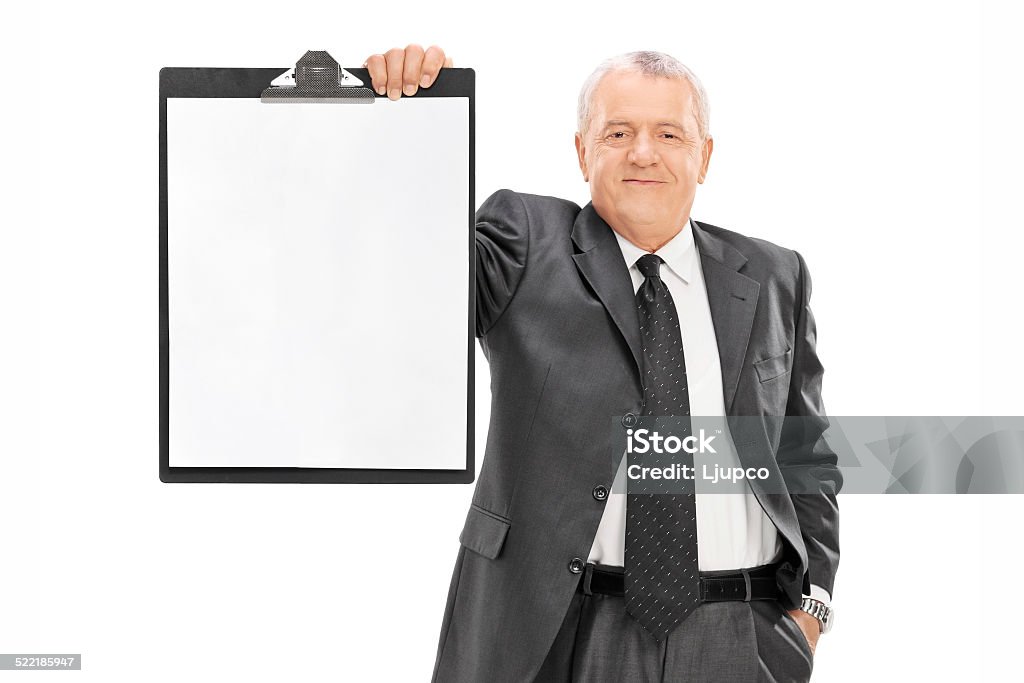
(251, 83)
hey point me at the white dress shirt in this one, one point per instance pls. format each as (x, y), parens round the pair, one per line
(733, 531)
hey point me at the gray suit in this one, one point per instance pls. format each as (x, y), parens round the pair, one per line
(558, 325)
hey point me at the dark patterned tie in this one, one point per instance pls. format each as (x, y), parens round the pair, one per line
(662, 582)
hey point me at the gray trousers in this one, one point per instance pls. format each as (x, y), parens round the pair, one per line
(719, 642)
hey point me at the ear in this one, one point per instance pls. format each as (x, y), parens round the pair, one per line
(581, 152)
(709, 144)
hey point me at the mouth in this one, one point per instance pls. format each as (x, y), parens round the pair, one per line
(642, 183)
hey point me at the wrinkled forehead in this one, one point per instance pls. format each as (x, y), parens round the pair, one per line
(638, 98)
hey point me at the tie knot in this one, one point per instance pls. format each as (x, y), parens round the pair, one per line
(649, 265)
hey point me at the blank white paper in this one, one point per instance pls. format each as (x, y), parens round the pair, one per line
(317, 283)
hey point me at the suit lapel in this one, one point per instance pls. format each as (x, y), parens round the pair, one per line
(733, 301)
(601, 264)
(732, 297)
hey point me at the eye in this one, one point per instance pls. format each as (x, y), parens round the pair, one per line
(617, 135)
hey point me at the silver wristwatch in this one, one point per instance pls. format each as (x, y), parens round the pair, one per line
(820, 611)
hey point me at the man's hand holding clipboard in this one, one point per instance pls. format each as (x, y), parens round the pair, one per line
(400, 71)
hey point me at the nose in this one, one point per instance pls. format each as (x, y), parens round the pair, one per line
(643, 151)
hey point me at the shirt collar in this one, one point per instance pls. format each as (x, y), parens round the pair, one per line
(679, 253)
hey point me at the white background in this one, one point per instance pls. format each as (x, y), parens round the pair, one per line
(880, 139)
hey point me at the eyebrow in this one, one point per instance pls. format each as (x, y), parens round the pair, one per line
(623, 122)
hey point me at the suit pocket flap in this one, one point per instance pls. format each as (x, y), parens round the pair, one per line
(770, 368)
(484, 532)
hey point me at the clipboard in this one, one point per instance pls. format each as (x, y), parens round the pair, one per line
(317, 277)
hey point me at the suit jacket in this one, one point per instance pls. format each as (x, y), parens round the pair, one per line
(557, 322)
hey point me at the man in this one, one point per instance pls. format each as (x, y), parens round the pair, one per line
(628, 307)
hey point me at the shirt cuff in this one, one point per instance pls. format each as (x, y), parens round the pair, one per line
(820, 594)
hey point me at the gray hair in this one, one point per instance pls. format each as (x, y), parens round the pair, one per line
(649, 64)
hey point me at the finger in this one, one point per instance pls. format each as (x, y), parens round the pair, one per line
(433, 60)
(449, 63)
(396, 63)
(378, 69)
(413, 65)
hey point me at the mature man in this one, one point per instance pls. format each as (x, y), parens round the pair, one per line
(628, 307)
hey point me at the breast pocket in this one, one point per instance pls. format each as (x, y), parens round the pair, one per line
(776, 366)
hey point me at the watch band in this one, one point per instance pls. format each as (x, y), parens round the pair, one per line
(820, 611)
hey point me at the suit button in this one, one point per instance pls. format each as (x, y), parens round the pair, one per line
(600, 492)
(629, 420)
(576, 565)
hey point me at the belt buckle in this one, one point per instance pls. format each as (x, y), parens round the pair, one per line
(746, 584)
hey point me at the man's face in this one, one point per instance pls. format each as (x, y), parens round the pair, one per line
(642, 153)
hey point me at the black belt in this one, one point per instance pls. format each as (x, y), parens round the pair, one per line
(755, 583)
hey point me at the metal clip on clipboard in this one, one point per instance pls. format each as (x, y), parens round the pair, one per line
(317, 77)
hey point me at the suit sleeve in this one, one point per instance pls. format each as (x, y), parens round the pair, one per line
(808, 464)
(502, 243)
